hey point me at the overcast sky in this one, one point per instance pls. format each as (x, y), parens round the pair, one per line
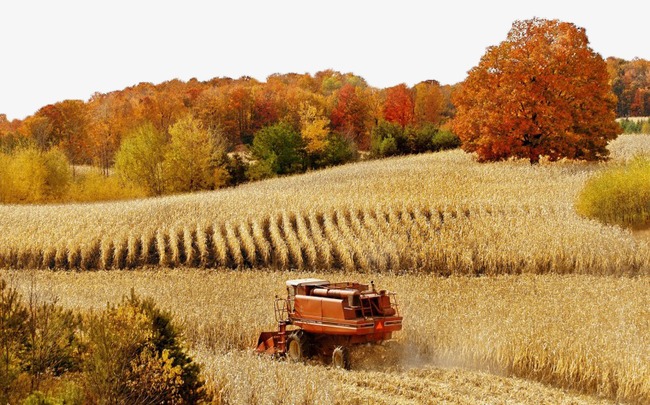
(65, 49)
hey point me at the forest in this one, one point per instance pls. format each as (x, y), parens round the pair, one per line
(255, 129)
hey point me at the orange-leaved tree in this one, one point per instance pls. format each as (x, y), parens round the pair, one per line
(541, 92)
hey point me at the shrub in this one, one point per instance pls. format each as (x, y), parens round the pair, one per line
(339, 150)
(645, 128)
(619, 195)
(135, 356)
(387, 139)
(13, 338)
(94, 186)
(443, 140)
(630, 126)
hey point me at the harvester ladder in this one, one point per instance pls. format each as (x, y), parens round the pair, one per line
(366, 307)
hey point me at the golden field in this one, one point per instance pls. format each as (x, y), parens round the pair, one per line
(557, 310)
(435, 213)
(583, 333)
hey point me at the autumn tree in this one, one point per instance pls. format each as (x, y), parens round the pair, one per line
(140, 159)
(428, 104)
(350, 115)
(188, 158)
(314, 127)
(541, 92)
(398, 107)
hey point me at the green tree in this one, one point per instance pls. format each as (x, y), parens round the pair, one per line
(387, 139)
(280, 147)
(189, 157)
(140, 159)
(339, 150)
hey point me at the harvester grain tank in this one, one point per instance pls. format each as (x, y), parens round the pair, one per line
(326, 319)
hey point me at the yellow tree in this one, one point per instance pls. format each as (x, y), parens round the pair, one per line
(188, 159)
(314, 127)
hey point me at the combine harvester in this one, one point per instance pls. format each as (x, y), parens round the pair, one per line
(329, 318)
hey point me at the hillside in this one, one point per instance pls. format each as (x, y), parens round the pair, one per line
(440, 213)
(571, 329)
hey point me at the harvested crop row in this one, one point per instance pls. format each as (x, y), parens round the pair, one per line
(442, 240)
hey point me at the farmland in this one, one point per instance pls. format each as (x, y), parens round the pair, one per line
(561, 302)
(435, 213)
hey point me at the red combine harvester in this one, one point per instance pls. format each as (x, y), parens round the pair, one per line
(330, 317)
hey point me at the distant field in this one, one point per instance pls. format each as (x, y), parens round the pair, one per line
(439, 213)
(584, 333)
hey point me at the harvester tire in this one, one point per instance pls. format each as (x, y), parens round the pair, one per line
(341, 358)
(297, 347)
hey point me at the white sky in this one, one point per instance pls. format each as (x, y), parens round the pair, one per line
(66, 49)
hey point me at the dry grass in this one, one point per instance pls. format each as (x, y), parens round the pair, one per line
(440, 213)
(580, 332)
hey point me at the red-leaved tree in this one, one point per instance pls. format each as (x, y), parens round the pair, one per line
(541, 92)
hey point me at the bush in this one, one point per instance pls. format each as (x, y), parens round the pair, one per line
(645, 128)
(32, 176)
(443, 140)
(387, 139)
(619, 195)
(94, 186)
(135, 356)
(338, 150)
(630, 126)
(13, 338)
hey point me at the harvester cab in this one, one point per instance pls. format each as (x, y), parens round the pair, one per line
(326, 319)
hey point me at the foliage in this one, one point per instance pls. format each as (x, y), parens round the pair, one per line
(13, 337)
(631, 85)
(387, 139)
(135, 356)
(94, 186)
(635, 126)
(32, 176)
(140, 159)
(314, 128)
(619, 195)
(399, 106)
(130, 353)
(188, 157)
(339, 150)
(280, 147)
(541, 92)
(391, 139)
(444, 139)
(52, 346)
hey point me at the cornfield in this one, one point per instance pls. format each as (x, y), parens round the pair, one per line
(585, 333)
(438, 213)
(565, 306)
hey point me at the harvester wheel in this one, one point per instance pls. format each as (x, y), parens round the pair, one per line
(297, 347)
(341, 358)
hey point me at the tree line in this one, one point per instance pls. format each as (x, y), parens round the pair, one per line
(186, 136)
(541, 92)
